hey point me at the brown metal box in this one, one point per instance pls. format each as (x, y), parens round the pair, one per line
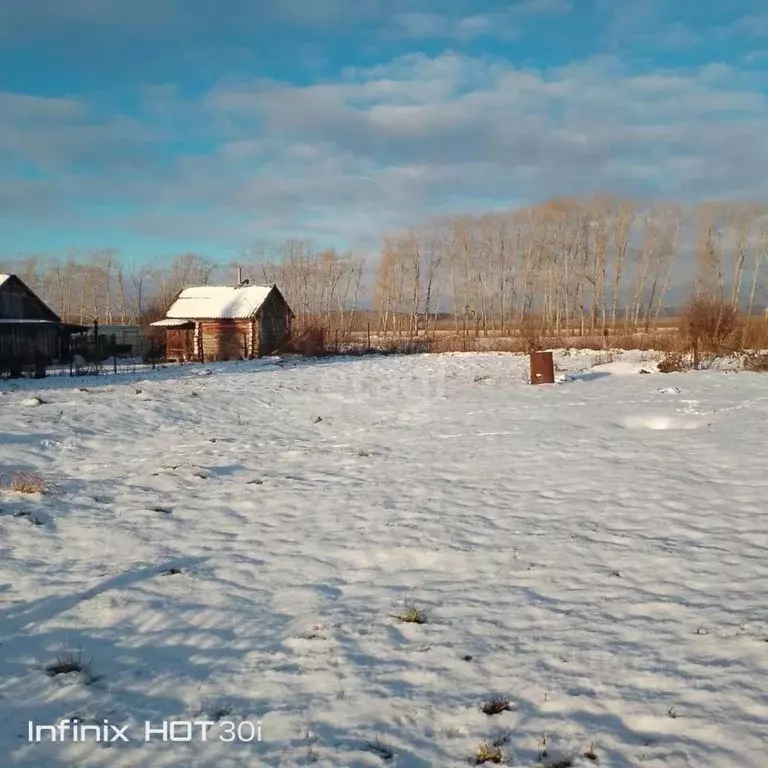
(542, 368)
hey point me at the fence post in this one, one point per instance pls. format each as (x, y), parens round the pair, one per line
(369, 335)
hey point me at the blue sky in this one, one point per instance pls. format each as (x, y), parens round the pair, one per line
(162, 126)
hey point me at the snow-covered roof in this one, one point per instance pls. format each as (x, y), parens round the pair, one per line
(170, 323)
(3, 278)
(218, 302)
(25, 321)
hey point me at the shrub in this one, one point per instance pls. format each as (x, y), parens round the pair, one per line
(309, 342)
(709, 327)
(674, 362)
(757, 362)
(531, 337)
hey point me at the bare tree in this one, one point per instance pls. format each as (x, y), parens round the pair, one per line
(760, 255)
(622, 228)
(741, 219)
(710, 278)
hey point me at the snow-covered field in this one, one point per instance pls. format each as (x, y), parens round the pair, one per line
(594, 551)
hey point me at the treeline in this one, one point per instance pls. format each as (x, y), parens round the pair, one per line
(100, 285)
(570, 265)
(576, 264)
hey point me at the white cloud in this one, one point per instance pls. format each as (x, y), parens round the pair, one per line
(506, 24)
(181, 20)
(386, 146)
(751, 25)
(54, 135)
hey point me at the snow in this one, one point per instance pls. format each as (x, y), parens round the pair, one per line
(593, 550)
(3, 278)
(169, 323)
(219, 302)
(27, 321)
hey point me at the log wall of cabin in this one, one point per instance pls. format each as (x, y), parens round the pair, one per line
(225, 339)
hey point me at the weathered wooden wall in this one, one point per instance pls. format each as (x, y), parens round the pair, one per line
(25, 341)
(274, 324)
(226, 339)
(22, 341)
(179, 345)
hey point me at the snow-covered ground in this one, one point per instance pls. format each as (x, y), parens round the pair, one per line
(594, 551)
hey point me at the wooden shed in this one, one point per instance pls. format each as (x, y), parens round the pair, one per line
(219, 322)
(31, 333)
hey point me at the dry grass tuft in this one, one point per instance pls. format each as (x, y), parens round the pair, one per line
(410, 613)
(487, 753)
(21, 482)
(72, 662)
(754, 333)
(378, 748)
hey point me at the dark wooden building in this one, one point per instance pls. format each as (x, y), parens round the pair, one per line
(219, 322)
(31, 333)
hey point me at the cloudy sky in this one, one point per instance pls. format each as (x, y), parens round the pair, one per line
(156, 126)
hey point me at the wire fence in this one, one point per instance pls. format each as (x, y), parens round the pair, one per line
(90, 354)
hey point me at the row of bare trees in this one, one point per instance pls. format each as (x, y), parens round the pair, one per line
(574, 265)
(324, 286)
(570, 265)
(98, 285)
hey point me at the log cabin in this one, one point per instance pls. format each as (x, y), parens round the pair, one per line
(219, 322)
